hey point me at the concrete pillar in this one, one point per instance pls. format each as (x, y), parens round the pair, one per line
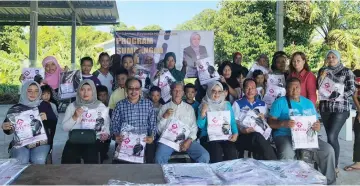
(33, 32)
(73, 41)
(279, 25)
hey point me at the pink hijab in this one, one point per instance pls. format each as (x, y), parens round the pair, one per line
(52, 79)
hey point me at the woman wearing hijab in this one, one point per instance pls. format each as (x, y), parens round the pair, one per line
(228, 77)
(215, 101)
(334, 112)
(29, 98)
(195, 51)
(86, 98)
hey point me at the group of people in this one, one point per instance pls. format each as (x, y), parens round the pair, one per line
(114, 89)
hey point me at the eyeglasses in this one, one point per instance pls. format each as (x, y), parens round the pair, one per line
(134, 89)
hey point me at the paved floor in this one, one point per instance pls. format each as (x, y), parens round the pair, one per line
(345, 178)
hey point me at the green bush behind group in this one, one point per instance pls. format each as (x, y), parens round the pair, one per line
(246, 26)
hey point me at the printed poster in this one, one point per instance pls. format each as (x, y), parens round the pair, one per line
(30, 73)
(206, 72)
(272, 93)
(69, 83)
(175, 133)
(303, 136)
(29, 129)
(164, 82)
(94, 119)
(144, 76)
(252, 119)
(132, 148)
(329, 90)
(276, 80)
(219, 127)
(254, 67)
(190, 46)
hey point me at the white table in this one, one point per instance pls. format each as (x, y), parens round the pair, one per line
(346, 132)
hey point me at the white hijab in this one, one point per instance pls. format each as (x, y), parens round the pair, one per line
(219, 105)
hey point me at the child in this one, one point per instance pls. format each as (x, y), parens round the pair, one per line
(103, 74)
(155, 97)
(51, 122)
(259, 77)
(103, 94)
(190, 92)
(226, 91)
(240, 77)
(86, 64)
(119, 93)
(127, 62)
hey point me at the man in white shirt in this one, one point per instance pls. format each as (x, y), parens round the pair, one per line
(182, 111)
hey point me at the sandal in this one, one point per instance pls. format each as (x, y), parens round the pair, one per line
(351, 168)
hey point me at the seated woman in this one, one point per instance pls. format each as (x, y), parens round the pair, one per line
(29, 98)
(86, 101)
(215, 101)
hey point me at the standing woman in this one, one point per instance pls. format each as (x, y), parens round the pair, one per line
(29, 98)
(86, 97)
(215, 101)
(170, 61)
(278, 65)
(300, 69)
(227, 77)
(334, 113)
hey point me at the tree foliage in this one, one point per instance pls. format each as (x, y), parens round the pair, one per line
(152, 28)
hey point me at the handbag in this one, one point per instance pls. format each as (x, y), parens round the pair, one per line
(82, 136)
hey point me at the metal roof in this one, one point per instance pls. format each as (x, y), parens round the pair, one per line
(96, 12)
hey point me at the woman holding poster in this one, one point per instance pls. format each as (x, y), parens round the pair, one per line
(217, 123)
(227, 76)
(85, 113)
(170, 60)
(336, 85)
(29, 98)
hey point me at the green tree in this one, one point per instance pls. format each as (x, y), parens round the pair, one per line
(152, 27)
(122, 26)
(338, 23)
(202, 21)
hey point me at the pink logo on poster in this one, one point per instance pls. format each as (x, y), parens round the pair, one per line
(127, 140)
(299, 124)
(174, 126)
(327, 85)
(26, 73)
(215, 120)
(271, 91)
(20, 121)
(88, 115)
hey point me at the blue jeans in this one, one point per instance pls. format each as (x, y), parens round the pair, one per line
(195, 151)
(35, 155)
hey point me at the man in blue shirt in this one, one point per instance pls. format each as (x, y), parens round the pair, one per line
(138, 113)
(279, 120)
(249, 139)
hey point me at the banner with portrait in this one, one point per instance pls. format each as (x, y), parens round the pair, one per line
(303, 136)
(329, 90)
(69, 83)
(151, 47)
(132, 148)
(30, 73)
(28, 129)
(218, 127)
(175, 133)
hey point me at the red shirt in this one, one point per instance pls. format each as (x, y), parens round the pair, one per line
(308, 84)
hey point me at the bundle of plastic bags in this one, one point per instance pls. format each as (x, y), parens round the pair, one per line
(9, 170)
(245, 172)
